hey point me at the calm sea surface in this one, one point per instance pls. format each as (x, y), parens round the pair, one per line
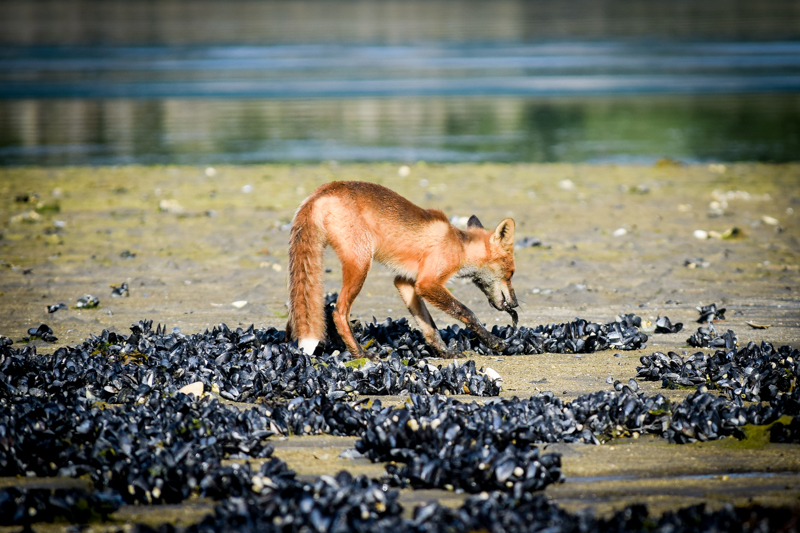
(115, 82)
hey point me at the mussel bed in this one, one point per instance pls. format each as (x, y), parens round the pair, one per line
(249, 365)
(756, 372)
(110, 410)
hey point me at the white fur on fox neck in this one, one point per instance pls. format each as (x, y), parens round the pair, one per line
(308, 345)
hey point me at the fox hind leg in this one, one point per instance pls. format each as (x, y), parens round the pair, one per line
(354, 273)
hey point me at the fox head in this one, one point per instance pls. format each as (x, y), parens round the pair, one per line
(493, 275)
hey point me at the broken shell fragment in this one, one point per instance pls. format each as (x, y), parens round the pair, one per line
(492, 374)
(87, 302)
(195, 388)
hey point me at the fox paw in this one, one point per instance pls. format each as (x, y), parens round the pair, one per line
(372, 355)
(445, 353)
(497, 344)
(451, 354)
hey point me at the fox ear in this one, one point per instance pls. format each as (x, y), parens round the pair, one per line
(504, 234)
(473, 222)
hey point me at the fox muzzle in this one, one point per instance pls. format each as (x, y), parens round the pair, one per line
(509, 298)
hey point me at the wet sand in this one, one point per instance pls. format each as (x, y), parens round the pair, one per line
(192, 241)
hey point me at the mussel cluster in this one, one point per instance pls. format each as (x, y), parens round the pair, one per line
(242, 365)
(578, 336)
(161, 450)
(710, 313)
(707, 337)
(257, 364)
(273, 499)
(444, 443)
(498, 512)
(300, 508)
(43, 332)
(162, 447)
(87, 302)
(703, 417)
(757, 372)
(40, 504)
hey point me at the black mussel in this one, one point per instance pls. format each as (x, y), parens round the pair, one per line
(43, 332)
(55, 307)
(710, 313)
(118, 291)
(664, 325)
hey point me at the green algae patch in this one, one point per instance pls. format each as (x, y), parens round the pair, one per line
(356, 363)
(750, 436)
(755, 436)
(671, 385)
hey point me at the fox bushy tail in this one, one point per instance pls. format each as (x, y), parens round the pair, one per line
(306, 272)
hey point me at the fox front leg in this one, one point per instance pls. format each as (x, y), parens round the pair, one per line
(416, 306)
(440, 297)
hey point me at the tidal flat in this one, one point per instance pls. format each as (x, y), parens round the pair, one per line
(198, 246)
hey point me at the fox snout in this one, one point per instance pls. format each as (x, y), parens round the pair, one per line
(509, 298)
(502, 297)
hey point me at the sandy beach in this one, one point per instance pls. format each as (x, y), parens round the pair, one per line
(199, 246)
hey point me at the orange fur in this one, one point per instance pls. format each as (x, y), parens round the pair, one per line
(365, 221)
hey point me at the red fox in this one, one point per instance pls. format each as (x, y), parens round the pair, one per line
(365, 221)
